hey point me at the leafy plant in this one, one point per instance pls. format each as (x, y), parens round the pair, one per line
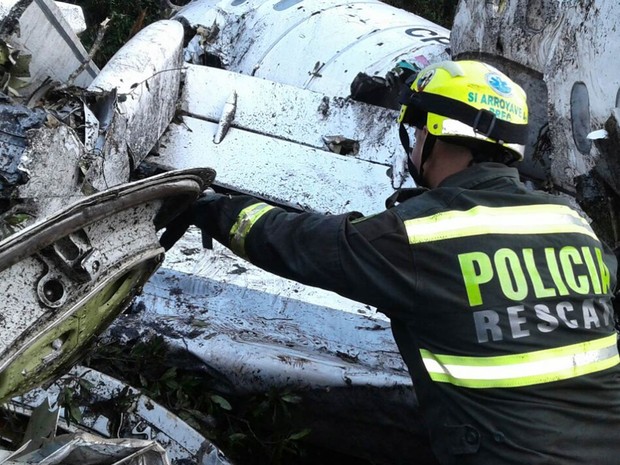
(126, 19)
(74, 393)
(260, 429)
(437, 11)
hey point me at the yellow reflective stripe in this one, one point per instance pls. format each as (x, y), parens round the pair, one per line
(530, 219)
(246, 219)
(526, 369)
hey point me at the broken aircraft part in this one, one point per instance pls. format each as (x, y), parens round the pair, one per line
(15, 121)
(319, 45)
(266, 146)
(143, 424)
(79, 448)
(145, 74)
(225, 309)
(72, 273)
(253, 332)
(88, 139)
(565, 56)
(74, 16)
(38, 28)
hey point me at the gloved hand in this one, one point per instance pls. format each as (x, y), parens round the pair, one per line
(178, 226)
(401, 74)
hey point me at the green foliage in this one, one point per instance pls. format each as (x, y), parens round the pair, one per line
(262, 429)
(75, 392)
(437, 11)
(126, 19)
(11, 222)
(267, 426)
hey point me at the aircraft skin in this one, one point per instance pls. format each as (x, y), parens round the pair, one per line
(320, 45)
(296, 138)
(564, 54)
(79, 278)
(65, 278)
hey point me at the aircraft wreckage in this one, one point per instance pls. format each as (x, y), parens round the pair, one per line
(286, 100)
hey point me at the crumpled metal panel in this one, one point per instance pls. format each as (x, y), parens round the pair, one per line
(15, 121)
(38, 28)
(565, 56)
(319, 45)
(143, 422)
(57, 168)
(81, 142)
(52, 167)
(66, 277)
(88, 449)
(259, 338)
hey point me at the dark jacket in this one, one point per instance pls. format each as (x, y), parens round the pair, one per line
(500, 303)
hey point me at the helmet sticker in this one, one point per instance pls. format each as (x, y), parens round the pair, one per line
(499, 84)
(425, 79)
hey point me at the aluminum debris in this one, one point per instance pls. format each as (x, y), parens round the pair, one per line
(564, 54)
(145, 425)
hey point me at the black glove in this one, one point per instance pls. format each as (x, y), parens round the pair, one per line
(401, 74)
(191, 216)
(214, 214)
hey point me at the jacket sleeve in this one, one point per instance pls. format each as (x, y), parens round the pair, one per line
(365, 259)
(616, 299)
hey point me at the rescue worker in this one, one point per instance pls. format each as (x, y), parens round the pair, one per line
(499, 296)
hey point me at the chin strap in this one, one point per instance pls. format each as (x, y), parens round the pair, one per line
(406, 143)
(429, 144)
(415, 174)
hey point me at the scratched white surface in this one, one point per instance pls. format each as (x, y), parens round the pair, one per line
(146, 73)
(293, 114)
(284, 172)
(315, 44)
(258, 330)
(551, 51)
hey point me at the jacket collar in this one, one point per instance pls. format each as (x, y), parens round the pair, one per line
(482, 175)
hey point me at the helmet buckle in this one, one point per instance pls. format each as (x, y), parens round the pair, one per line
(484, 123)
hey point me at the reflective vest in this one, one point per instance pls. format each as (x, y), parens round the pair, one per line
(500, 303)
(526, 271)
(512, 316)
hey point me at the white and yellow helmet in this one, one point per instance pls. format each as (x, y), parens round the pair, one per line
(468, 100)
